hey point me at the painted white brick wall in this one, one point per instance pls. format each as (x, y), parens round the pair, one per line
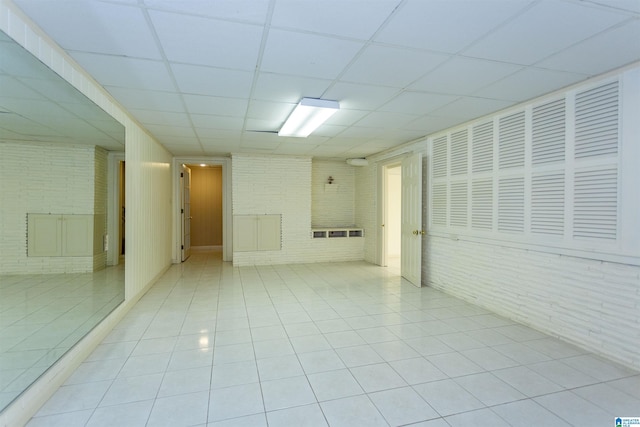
(282, 185)
(43, 178)
(590, 303)
(367, 208)
(332, 205)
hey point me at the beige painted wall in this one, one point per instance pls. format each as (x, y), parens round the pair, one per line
(206, 206)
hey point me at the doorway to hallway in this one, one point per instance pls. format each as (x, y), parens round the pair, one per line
(202, 208)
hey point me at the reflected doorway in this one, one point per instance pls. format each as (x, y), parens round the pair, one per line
(121, 210)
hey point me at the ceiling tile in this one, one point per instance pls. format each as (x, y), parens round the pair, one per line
(390, 66)
(86, 23)
(417, 103)
(463, 76)
(346, 117)
(529, 83)
(446, 26)
(360, 132)
(308, 55)
(208, 42)
(202, 121)
(616, 47)
(333, 16)
(161, 117)
(284, 88)
(270, 110)
(546, 28)
(133, 73)
(198, 80)
(176, 131)
(261, 125)
(329, 130)
(254, 11)
(429, 124)
(354, 96)
(379, 119)
(216, 106)
(146, 99)
(467, 108)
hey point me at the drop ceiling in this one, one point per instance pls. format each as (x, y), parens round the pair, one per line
(212, 77)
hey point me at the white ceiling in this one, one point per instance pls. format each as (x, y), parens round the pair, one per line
(210, 77)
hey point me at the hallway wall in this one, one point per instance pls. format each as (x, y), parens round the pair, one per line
(206, 206)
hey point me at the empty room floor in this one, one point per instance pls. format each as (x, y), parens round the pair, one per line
(341, 344)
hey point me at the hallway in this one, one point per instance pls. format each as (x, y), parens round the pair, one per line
(340, 344)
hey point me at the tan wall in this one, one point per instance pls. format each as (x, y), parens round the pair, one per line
(206, 206)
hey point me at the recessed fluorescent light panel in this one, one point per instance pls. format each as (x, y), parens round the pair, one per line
(308, 115)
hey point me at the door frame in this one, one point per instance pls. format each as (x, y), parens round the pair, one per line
(227, 224)
(384, 219)
(113, 207)
(185, 221)
(381, 255)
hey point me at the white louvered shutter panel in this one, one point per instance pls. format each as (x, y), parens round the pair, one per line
(439, 204)
(511, 141)
(548, 132)
(547, 203)
(597, 121)
(482, 148)
(482, 204)
(595, 208)
(458, 210)
(440, 157)
(459, 152)
(511, 204)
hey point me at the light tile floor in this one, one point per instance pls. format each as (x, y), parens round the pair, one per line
(43, 315)
(342, 344)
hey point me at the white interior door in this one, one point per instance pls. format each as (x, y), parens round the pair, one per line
(185, 181)
(411, 263)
